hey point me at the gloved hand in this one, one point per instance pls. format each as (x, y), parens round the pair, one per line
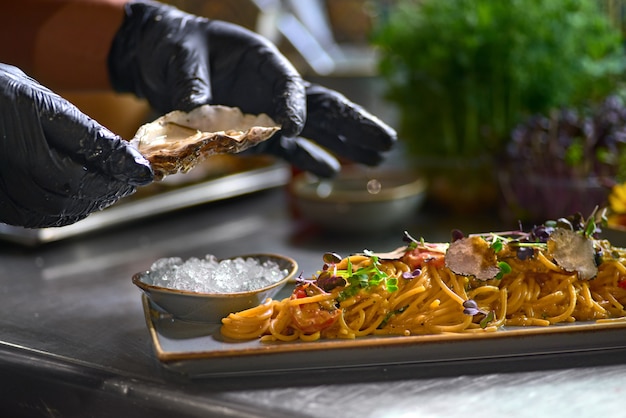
(56, 164)
(179, 61)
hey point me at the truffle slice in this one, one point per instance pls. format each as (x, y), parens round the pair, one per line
(472, 256)
(573, 252)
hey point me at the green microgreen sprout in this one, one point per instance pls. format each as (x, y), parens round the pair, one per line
(491, 315)
(366, 277)
(392, 284)
(590, 225)
(504, 267)
(498, 243)
(412, 242)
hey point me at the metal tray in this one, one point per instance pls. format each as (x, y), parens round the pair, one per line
(254, 174)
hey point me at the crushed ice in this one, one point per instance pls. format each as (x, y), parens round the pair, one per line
(210, 275)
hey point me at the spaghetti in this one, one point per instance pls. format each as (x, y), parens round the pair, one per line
(418, 290)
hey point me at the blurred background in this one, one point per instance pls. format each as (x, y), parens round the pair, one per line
(328, 41)
(514, 108)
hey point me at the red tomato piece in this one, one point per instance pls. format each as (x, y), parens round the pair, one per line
(419, 257)
(311, 317)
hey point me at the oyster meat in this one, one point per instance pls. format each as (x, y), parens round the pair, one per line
(179, 140)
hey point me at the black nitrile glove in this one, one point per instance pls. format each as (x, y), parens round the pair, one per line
(56, 164)
(179, 61)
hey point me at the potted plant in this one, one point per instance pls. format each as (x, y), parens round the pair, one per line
(564, 162)
(463, 73)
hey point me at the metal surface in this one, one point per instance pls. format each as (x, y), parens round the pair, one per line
(73, 340)
(129, 210)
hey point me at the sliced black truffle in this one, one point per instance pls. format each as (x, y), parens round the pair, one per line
(472, 256)
(573, 252)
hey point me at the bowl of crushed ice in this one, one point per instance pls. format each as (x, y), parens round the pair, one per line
(208, 289)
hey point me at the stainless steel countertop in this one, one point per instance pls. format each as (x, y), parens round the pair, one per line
(73, 341)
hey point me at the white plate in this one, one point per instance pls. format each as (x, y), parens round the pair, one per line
(199, 350)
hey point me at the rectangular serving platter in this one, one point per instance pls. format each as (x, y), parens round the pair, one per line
(255, 174)
(199, 350)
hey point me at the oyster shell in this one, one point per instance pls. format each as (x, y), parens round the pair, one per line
(179, 140)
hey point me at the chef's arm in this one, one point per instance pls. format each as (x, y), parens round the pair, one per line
(64, 44)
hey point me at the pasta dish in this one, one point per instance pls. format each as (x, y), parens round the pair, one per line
(558, 272)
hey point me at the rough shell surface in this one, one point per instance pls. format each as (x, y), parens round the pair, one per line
(178, 140)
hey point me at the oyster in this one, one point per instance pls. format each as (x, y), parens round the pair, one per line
(179, 140)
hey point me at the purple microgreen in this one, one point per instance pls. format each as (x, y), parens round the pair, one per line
(331, 258)
(328, 282)
(525, 252)
(457, 234)
(471, 307)
(411, 274)
(301, 280)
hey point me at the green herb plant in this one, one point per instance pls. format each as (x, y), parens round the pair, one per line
(463, 73)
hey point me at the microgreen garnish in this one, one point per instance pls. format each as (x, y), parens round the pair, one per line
(590, 225)
(392, 284)
(331, 258)
(365, 277)
(504, 267)
(412, 242)
(327, 281)
(470, 307)
(411, 274)
(498, 243)
(491, 315)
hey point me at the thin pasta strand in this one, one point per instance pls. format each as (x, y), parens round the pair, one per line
(537, 293)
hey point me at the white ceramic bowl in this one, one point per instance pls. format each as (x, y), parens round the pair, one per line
(359, 201)
(212, 307)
